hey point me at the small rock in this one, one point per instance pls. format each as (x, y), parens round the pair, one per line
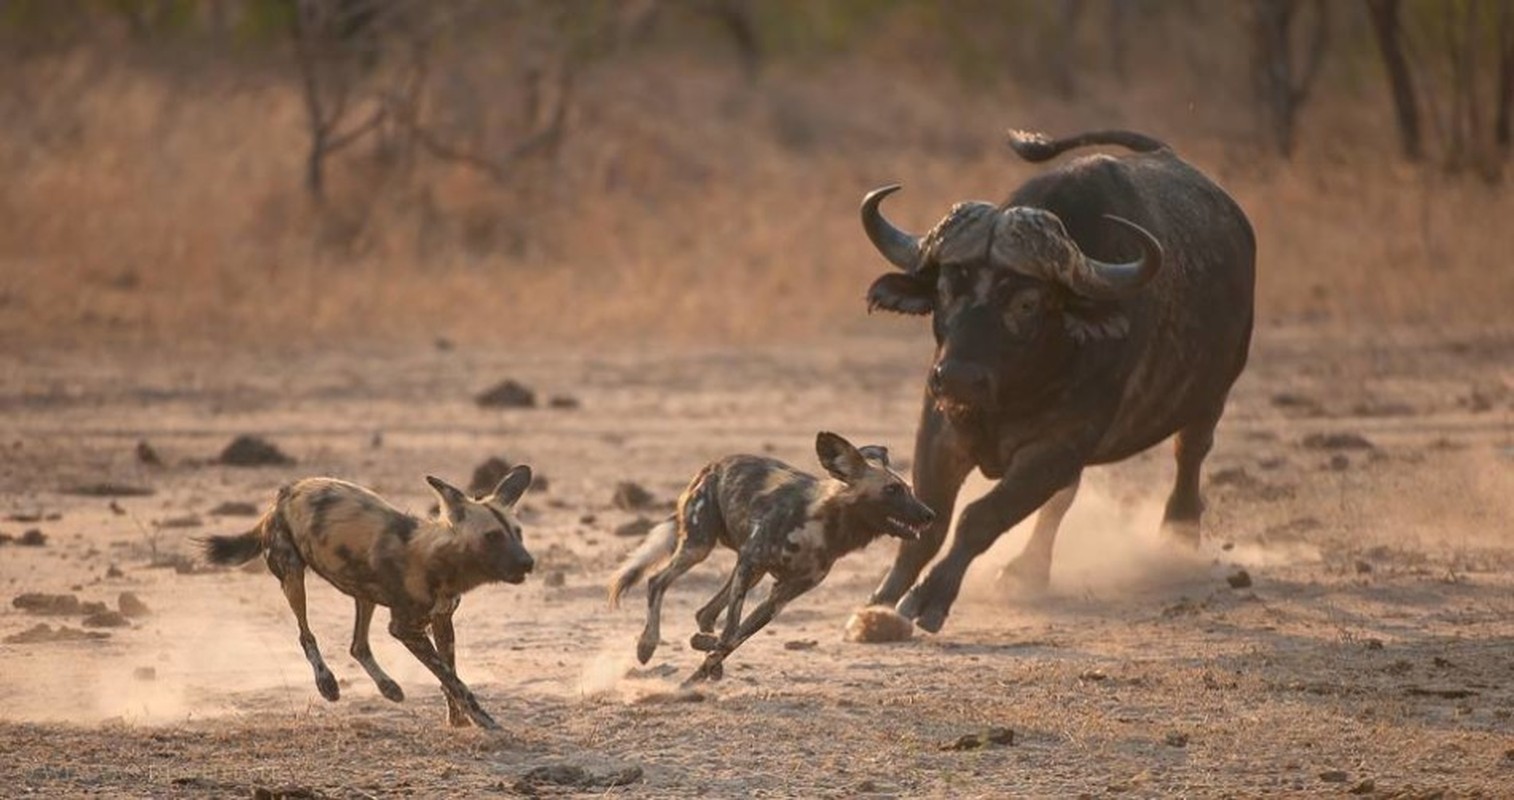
(588, 519)
(631, 496)
(1176, 739)
(376, 440)
(6, 538)
(32, 538)
(91, 607)
(253, 451)
(1000, 735)
(105, 619)
(636, 527)
(555, 579)
(1364, 786)
(41, 633)
(1334, 776)
(1305, 405)
(1093, 675)
(967, 741)
(147, 456)
(108, 489)
(1240, 579)
(1362, 567)
(1339, 462)
(564, 402)
(801, 644)
(132, 606)
(186, 521)
(875, 624)
(41, 603)
(116, 508)
(443, 344)
(145, 673)
(506, 394)
(1337, 441)
(114, 571)
(233, 508)
(488, 474)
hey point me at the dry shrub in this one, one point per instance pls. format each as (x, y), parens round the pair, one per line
(148, 207)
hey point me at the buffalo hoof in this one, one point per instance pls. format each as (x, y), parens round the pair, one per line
(391, 690)
(326, 683)
(644, 650)
(927, 613)
(704, 642)
(1185, 533)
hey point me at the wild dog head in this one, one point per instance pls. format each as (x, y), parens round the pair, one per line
(489, 523)
(872, 491)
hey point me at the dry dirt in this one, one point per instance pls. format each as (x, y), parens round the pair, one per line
(1372, 652)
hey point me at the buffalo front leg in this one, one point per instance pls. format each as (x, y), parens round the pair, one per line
(941, 464)
(412, 634)
(1185, 505)
(1034, 476)
(1030, 571)
(783, 593)
(364, 654)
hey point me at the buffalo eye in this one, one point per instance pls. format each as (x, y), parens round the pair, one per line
(1022, 308)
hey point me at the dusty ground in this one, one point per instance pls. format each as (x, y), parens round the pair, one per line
(1373, 652)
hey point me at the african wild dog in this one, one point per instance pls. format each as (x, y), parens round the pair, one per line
(381, 556)
(780, 521)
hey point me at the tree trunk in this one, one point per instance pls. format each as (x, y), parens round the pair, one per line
(1390, 42)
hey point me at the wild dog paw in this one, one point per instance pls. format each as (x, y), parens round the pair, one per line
(391, 691)
(644, 650)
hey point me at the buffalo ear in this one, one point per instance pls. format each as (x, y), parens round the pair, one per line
(839, 457)
(902, 292)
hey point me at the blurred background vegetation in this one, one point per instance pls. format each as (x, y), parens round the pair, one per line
(272, 171)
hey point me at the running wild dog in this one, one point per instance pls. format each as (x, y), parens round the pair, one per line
(780, 521)
(381, 556)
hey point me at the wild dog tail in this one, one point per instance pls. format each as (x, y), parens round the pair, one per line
(655, 549)
(1037, 147)
(233, 550)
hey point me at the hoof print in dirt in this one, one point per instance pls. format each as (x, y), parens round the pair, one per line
(147, 456)
(234, 508)
(506, 394)
(108, 489)
(1240, 579)
(876, 624)
(636, 527)
(43, 633)
(574, 776)
(630, 496)
(975, 741)
(132, 606)
(253, 451)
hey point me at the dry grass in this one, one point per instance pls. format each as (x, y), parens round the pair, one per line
(146, 208)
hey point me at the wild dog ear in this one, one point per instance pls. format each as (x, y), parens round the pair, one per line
(452, 498)
(839, 457)
(901, 292)
(513, 485)
(874, 452)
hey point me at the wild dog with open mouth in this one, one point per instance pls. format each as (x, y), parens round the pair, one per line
(780, 521)
(381, 556)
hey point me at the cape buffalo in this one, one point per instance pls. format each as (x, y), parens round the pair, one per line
(1105, 306)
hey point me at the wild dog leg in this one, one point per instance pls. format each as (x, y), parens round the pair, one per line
(364, 654)
(707, 615)
(293, 581)
(446, 644)
(412, 634)
(783, 593)
(684, 559)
